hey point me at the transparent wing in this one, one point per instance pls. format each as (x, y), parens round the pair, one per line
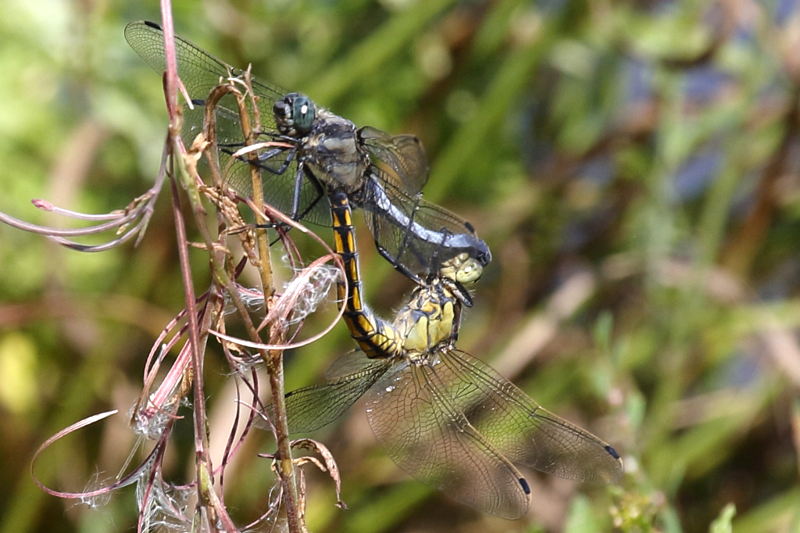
(416, 234)
(200, 73)
(280, 189)
(311, 408)
(397, 159)
(414, 416)
(199, 70)
(352, 363)
(520, 428)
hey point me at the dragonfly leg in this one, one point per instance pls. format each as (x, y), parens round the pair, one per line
(318, 190)
(299, 176)
(232, 148)
(269, 154)
(295, 214)
(397, 265)
(407, 246)
(275, 151)
(407, 234)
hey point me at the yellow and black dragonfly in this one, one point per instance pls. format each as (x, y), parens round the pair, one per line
(309, 152)
(443, 416)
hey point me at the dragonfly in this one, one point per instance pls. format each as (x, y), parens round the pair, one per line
(442, 415)
(309, 152)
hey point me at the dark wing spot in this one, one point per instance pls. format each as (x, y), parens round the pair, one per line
(612, 452)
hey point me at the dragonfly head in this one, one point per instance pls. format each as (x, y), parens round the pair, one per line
(462, 268)
(459, 274)
(294, 114)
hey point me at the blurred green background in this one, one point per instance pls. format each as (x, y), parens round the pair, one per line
(633, 165)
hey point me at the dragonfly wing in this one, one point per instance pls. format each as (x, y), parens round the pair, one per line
(311, 408)
(200, 72)
(350, 363)
(414, 416)
(279, 190)
(417, 234)
(397, 159)
(521, 429)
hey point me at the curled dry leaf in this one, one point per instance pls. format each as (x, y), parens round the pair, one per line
(328, 464)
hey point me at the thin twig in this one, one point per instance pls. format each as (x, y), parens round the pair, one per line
(205, 487)
(273, 358)
(257, 193)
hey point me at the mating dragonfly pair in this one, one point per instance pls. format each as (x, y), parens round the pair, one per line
(443, 416)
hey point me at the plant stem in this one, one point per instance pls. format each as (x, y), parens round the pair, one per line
(204, 471)
(274, 358)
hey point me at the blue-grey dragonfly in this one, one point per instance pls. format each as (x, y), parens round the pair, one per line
(311, 153)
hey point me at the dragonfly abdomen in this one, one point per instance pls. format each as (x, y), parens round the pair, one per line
(376, 337)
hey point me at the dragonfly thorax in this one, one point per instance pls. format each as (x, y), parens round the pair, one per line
(429, 320)
(332, 152)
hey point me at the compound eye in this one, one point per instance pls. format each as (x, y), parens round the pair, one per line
(304, 113)
(471, 271)
(282, 109)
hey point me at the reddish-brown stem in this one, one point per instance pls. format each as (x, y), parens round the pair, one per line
(199, 411)
(204, 469)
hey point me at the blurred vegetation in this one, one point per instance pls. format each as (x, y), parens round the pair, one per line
(633, 165)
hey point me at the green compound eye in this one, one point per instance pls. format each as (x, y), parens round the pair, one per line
(303, 112)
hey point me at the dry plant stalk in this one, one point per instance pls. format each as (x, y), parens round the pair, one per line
(200, 504)
(255, 244)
